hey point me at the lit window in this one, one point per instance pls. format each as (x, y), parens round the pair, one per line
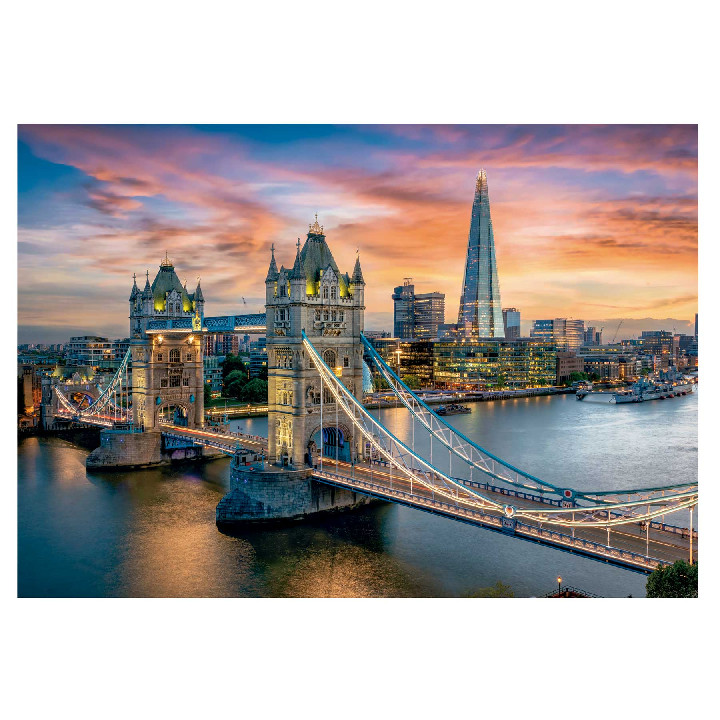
(175, 356)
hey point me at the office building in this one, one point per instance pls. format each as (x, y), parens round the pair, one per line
(407, 358)
(480, 313)
(592, 336)
(258, 357)
(486, 364)
(566, 334)
(567, 364)
(417, 315)
(511, 323)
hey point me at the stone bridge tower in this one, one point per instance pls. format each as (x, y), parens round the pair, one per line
(316, 297)
(167, 351)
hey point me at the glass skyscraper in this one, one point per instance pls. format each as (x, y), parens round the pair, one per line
(480, 312)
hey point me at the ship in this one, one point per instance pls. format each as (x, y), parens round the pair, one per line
(453, 409)
(665, 385)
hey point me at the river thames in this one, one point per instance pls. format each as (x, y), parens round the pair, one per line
(152, 533)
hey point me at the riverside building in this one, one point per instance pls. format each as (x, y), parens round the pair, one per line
(566, 334)
(486, 363)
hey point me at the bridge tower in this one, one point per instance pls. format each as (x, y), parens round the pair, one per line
(167, 351)
(329, 306)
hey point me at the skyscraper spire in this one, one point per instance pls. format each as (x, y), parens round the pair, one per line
(480, 312)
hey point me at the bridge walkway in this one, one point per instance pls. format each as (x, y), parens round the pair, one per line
(629, 545)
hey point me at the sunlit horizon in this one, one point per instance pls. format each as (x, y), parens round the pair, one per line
(591, 222)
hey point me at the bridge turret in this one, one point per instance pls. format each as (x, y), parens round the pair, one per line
(321, 302)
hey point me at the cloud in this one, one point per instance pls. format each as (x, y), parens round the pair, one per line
(569, 203)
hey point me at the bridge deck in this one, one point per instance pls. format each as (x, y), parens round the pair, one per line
(628, 543)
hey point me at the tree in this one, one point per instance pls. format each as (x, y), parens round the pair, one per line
(594, 377)
(498, 590)
(644, 372)
(207, 393)
(234, 383)
(501, 381)
(679, 580)
(379, 383)
(255, 391)
(578, 376)
(232, 363)
(412, 381)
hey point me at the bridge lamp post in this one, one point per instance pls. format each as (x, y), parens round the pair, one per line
(559, 581)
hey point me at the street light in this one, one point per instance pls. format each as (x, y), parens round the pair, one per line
(559, 579)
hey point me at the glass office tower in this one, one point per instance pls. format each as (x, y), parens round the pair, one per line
(480, 308)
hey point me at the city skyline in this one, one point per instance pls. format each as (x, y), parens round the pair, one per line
(605, 216)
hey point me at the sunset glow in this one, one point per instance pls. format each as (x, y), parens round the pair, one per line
(593, 222)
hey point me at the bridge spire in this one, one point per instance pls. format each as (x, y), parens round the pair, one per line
(357, 276)
(135, 291)
(298, 271)
(272, 273)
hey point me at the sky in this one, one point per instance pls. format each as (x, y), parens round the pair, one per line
(592, 222)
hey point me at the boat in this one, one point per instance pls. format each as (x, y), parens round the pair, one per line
(453, 409)
(664, 386)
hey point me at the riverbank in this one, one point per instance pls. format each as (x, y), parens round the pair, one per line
(374, 401)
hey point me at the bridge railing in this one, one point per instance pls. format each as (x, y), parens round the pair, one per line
(531, 531)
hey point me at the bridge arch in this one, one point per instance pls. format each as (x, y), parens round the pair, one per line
(333, 437)
(175, 412)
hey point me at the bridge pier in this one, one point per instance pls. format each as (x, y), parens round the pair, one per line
(279, 494)
(126, 449)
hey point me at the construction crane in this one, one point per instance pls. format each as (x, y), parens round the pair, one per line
(617, 331)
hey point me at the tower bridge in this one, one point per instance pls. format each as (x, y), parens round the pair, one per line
(325, 451)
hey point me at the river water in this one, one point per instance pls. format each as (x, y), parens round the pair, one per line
(152, 533)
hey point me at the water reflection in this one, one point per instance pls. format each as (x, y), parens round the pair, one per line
(152, 533)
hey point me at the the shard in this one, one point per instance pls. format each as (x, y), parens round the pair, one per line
(480, 314)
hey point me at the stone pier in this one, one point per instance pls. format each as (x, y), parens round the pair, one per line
(276, 493)
(126, 450)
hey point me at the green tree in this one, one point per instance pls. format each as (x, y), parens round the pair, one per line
(501, 381)
(498, 590)
(578, 376)
(207, 393)
(679, 580)
(255, 391)
(379, 383)
(412, 381)
(234, 383)
(232, 363)
(594, 377)
(644, 372)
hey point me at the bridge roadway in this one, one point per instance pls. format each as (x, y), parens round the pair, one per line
(628, 545)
